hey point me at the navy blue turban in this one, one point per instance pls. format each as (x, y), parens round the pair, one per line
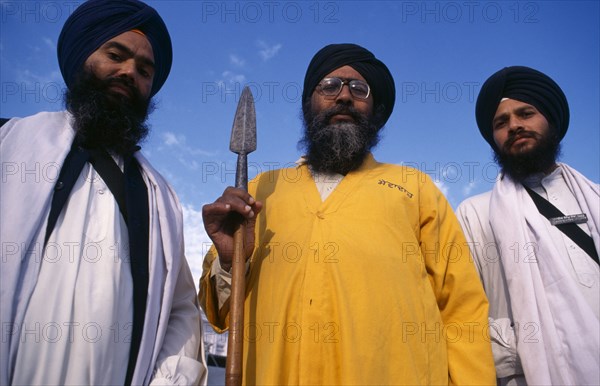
(376, 73)
(96, 21)
(526, 85)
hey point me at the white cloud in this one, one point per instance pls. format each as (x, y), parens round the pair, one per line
(467, 189)
(171, 139)
(267, 52)
(31, 78)
(231, 77)
(183, 153)
(236, 60)
(445, 189)
(49, 43)
(197, 241)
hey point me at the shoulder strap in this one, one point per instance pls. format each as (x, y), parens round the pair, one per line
(69, 173)
(571, 230)
(106, 168)
(136, 196)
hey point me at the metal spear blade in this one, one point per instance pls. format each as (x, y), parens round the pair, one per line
(243, 133)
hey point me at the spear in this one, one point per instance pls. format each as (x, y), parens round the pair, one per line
(243, 141)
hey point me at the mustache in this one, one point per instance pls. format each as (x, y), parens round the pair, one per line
(341, 109)
(127, 83)
(512, 138)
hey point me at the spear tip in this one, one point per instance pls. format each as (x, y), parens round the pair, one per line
(243, 132)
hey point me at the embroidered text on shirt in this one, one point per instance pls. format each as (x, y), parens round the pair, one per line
(392, 185)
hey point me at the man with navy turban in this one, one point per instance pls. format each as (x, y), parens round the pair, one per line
(535, 237)
(95, 285)
(351, 275)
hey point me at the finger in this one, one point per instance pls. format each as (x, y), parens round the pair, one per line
(216, 209)
(256, 207)
(239, 201)
(243, 195)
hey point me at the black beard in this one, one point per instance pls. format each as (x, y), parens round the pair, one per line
(539, 159)
(337, 147)
(106, 119)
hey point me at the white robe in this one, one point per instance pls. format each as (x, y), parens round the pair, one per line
(538, 280)
(32, 151)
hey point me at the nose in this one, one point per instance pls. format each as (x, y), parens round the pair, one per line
(127, 69)
(345, 96)
(514, 124)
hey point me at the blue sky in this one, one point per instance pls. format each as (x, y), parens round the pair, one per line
(439, 52)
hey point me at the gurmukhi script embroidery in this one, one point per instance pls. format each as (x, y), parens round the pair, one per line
(392, 186)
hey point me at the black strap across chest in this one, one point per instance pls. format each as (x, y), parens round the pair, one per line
(131, 194)
(571, 230)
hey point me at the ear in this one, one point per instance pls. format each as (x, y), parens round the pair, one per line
(379, 114)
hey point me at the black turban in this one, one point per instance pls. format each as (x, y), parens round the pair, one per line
(96, 21)
(526, 85)
(376, 73)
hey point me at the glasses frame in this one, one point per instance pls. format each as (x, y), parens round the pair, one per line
(344, 81)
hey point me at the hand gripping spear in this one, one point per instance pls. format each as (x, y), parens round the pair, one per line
(243, 141)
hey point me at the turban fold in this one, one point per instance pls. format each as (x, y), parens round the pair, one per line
(526, 85)
(376, 73)
(96, 21)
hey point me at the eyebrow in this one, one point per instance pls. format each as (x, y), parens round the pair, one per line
(518, 110)
(344, 79)
(147, 61)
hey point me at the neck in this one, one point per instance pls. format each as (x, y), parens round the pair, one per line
(550, 169)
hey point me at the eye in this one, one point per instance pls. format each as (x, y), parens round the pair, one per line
(113, 56)
(330, 85)
(498, 124)
(528, 113)
(144, 73)
(359, 88)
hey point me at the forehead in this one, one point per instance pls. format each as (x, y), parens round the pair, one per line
(507, 104)
(346, 72)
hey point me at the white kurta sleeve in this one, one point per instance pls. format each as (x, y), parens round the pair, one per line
(473, 215)
(504, 348)
(179, 361)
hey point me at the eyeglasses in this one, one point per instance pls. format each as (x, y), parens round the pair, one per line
(331, 87)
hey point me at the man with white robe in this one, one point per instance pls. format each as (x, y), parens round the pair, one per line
(95, 287)
(539, 265)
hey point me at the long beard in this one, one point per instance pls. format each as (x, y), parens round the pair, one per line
(337, 147)
(539, 159)
(106, 119)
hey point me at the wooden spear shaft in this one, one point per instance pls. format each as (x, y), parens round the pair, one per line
(235, 345)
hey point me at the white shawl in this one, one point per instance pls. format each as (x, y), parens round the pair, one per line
(557, 332)
(32, 151)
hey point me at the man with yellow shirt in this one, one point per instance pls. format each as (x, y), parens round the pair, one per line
(357, 270)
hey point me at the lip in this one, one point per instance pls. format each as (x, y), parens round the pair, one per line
(342, 118)
(121, 89)
(522, 139)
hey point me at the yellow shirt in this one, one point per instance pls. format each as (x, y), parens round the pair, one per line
(374, 285)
